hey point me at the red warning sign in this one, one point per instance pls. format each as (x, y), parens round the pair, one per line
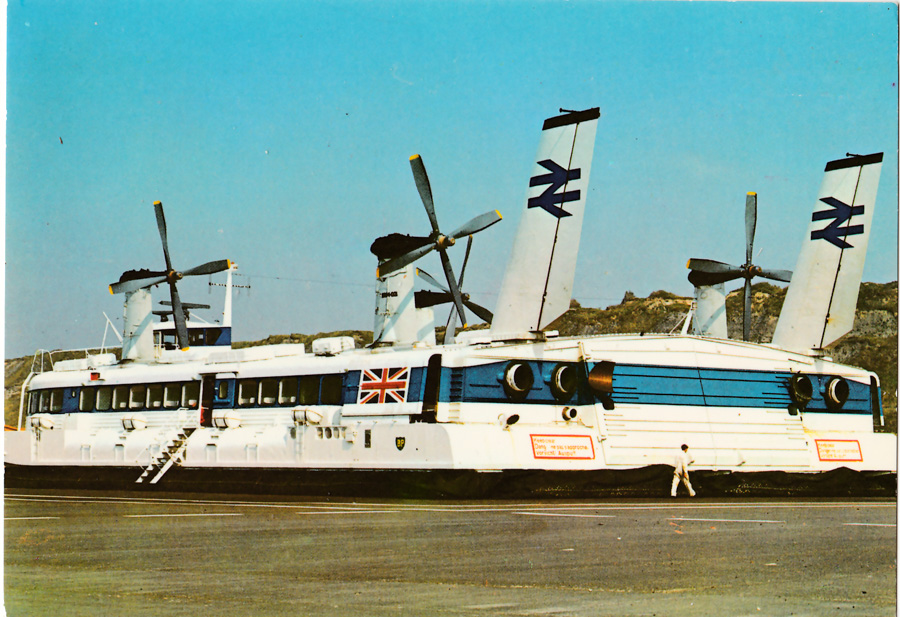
(571, 447)
(843, 450)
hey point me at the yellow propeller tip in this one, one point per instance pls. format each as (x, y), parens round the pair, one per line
(414, 156)
(751, 193)
(185, 348)
(378, 273)
(157, 203)
(688, 264)
(498, 213)
(111, 291)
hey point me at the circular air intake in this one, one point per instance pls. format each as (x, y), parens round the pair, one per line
(517, 380)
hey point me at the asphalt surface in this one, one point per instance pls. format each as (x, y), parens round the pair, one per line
(90, 553)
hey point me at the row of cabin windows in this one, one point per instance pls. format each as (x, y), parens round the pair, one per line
(119, 398)
(266, 392)
(285, 391)
(197, 337)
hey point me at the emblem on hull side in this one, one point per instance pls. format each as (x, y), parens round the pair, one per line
(400, 442)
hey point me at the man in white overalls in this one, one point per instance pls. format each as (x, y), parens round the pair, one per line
(682, 461)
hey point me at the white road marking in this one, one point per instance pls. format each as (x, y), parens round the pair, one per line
(359, 511)
(566, 515)
(444, 507)
(179, 515)
(721, 520)
(30, 518)
(871, 524)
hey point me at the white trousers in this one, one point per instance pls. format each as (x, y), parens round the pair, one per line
(687, 482)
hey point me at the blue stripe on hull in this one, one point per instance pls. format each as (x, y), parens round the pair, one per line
(641, 384)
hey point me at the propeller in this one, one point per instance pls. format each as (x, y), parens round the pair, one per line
(134, 280)
(710, 272)
(438, 240)
(431, 298)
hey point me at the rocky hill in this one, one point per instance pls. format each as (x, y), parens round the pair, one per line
(871, 345)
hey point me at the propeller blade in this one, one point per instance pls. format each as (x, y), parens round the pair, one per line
(713, 267)
(775, 275)
(482, 221)
(424, 186)
(431, 280)
(161, 224)
(186, 305)
(701, 279)
(462, 272)
(747, 298)
(396, 263)
(135, 284)
(454, 288)
(426, 298)
(178, 317)
(210, 267)
(750, 223)
(485, 315)
(450, 331)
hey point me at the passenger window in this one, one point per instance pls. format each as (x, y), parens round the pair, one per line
(247, 392)
(287, 391)
(168, 340)
(45, 401)
(56, 396)
(104, 398)
(87, 399)
(191, 397)
(309, 390)
(331, 389)
(172, 398)
(222, 392)
(155, 396)
(120, 397)
(138, 397)
(268, 391)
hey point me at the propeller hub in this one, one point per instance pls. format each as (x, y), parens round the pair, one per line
(444, 242)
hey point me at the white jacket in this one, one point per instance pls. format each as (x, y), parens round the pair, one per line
(682, 460)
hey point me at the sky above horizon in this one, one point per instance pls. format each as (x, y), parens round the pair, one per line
(278, 134)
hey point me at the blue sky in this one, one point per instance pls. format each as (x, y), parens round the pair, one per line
(277, 134)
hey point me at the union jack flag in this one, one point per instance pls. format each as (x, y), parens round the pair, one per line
(383, 385)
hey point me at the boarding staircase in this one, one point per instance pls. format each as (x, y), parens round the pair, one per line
(172, 453)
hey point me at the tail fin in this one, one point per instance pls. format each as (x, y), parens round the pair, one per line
(537, 286)
(821, 300)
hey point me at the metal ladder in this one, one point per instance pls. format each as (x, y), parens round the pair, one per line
(171, 454)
